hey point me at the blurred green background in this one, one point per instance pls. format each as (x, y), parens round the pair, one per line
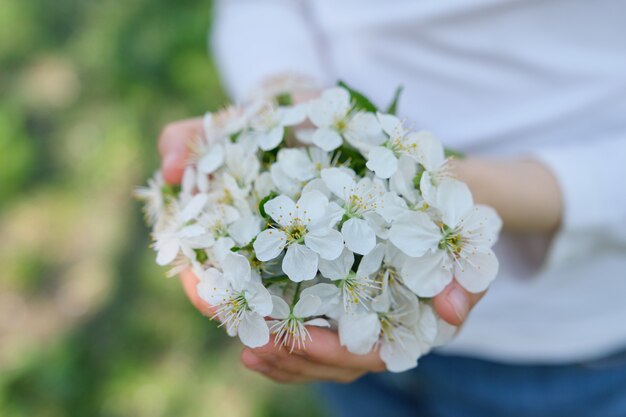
(89, 325)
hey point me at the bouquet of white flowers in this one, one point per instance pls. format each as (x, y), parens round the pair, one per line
(323, 213)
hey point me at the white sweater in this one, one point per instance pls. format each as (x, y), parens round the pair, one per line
(489, 77)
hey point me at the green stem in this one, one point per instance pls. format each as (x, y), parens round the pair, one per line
(296, 295)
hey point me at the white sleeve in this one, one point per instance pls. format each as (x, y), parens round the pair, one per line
(254, 39)
(592, 179)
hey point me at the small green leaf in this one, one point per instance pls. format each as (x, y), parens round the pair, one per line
(417, 179)
(359, 100)
(170, 190)
(262, 204)
(234, 137)
(451, 153)
(393, 106)
(201, 255)
(350, 156)
(276, 280)
(284, 99)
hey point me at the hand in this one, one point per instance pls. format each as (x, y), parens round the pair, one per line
(325, 359)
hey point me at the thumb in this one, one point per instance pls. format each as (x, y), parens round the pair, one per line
(174, 144)
(454, 303)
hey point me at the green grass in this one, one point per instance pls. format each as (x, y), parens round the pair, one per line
(89, 326)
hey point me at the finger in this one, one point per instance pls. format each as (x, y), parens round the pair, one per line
(174, 144)
(290, 363)
(189, 281)
(326, 349)
(257, 364)
(454, 303)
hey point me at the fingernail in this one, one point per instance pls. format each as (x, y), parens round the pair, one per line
(459, 302)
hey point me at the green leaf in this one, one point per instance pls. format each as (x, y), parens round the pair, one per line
(359, 101)
(284, 99)
(201, 255)
(234, 137)
(262, 204)
(393, 106)
(451, 153)
(417, 179)
(350, 156)
(275, 280)
(171, 191)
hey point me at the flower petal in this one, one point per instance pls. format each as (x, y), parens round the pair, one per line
(454, 200)
(363, 131)
(476, 270)
(307, 306)
(167, 251)
(258, 298)
(326, 138)
(194, 207)
(292, 115)
(283, 183)
(427, 275)
(282, 209)
(382, 161)
(280, 308)
(359, 332)
(359, 236)
(371, 262)
(329, 294)
(338, 181)
(337, 268)
(318, 322)
(296, 164)
(300, 263)
(482, 225)
(429, 150)
(333, 104)
(244, 229)
(269, 140)
(211, 286)
(327, 242)
(311, 207)
(414, 233)
(253, 330)
(269, 244)
(212, 159)
(390, 123)
(402, 181)
(391, 206)
(236, 270)
(402, 353)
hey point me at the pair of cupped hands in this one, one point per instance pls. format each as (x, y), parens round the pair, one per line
(323, 359)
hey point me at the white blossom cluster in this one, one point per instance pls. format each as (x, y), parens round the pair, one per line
(325, 213)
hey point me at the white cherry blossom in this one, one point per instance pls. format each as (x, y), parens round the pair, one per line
(182, 234)
(153, 199)
(458, 246)
(407, 332)
(358, 199)
(434, 167)
(357, 288)
(302, 229)
(383, 159)
(335, 119)
(289, 324)
(267, 126)
(240, 299)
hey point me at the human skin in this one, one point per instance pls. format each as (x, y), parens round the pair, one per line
(523, 192)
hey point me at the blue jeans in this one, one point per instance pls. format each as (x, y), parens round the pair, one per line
(449, 386)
